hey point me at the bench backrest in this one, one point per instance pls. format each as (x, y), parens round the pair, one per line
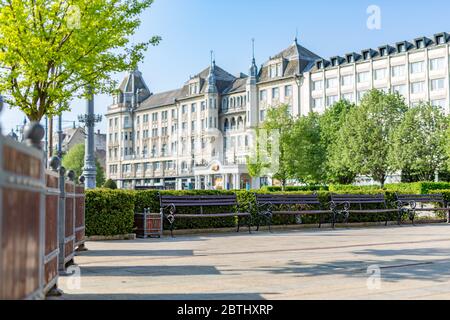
(421, 198)
(198, 200)
(360, 199)
(288, 199)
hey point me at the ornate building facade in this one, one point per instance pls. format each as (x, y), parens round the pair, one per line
(197, 136)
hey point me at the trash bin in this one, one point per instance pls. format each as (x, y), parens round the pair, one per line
(148, 225)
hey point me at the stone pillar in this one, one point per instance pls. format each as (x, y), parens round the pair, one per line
(225, 182)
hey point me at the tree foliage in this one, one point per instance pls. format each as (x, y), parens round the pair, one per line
(331, 122)
(304, 151)
(365, 137)
(51, 50)
(270, 152)
(74, 160)
(418, 142)
(110, 184)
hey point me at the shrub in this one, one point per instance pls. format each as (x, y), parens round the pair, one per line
(109, 212)
(295, 188)
(110, 184)
(346, 188)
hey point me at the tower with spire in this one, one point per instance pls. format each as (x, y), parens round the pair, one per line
(252, 93)
(212, 110)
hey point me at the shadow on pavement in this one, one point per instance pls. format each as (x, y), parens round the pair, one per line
(147, 271)
(178, 296)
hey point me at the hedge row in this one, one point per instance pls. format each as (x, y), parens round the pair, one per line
(111, 212)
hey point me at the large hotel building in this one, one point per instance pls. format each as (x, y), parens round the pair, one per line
(197, 136)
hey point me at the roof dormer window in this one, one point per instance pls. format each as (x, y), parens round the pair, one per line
(440, 39)
(420, 44)
(334, 62)
(365, 55)
(276, 70)
(194, 88)
(383, 52)
(350, 58)
(319, 64)
(401, 47)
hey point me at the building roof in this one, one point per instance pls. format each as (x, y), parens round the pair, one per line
(224, 80)
(295, 58)
(384, 50)
(238, 85)
(161, 99)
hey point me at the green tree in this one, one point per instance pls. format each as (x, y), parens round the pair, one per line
(331, 122)
(365, 138)
(51, 50)
(74, 160)
(278, 119)
(418, 143)
(110, 184)
(304, 151)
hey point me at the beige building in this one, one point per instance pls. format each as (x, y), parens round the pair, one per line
(197, 136)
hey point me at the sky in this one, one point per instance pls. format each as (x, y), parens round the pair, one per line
(190, 29)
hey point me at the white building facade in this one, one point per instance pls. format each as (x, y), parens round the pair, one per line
(198, 136)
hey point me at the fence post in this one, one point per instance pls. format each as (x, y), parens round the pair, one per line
(62, 219)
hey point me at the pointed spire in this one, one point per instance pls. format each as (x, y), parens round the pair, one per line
(253, 67)
(296, 36)
(212, 88)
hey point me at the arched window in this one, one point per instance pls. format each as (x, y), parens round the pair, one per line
(226, 125)
(240, 123)
(233, 123)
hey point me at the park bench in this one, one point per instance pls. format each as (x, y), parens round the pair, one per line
(344, 205)
(170, 206)
(408, 204)
(268, 205)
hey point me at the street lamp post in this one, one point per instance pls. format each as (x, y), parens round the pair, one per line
(89, 119)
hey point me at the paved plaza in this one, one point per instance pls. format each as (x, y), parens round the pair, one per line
(413, 263)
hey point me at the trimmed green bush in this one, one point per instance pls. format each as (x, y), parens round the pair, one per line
(109, 212)
(293, 188)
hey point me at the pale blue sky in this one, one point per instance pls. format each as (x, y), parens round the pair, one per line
(191, 28)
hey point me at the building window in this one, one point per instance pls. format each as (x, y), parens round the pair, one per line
(361, 95)
(417, 67)
(193, 107)
(262, 115)
(193, 125)
(440, 103)
(275, 70)
(331, 100)
(347, 80)
(379, 74)
(363, 77)
(318, 103)
(331, 83)
(417, 87)
(398, 71)
(184, 109)
(400, 89)
(348, 97)
(263, 95)
(317, 85)
(164, 115)
(437, 84)
(275, 93)
(154, 116)
(437, 64)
